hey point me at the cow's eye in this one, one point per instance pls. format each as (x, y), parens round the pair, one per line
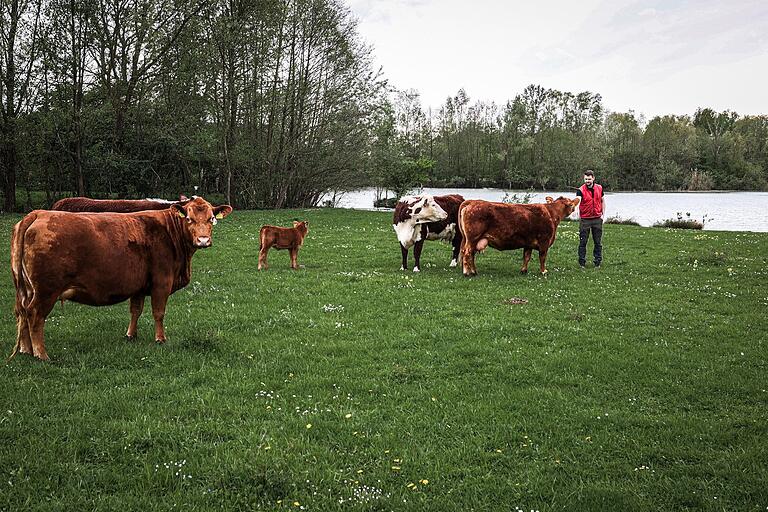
(212, 220)
(417, 210)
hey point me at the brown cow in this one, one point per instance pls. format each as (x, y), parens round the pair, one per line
(86, 204)
(282, 238)
(506, 226)
(100, 259)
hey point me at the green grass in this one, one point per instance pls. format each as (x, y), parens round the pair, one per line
(639, 386)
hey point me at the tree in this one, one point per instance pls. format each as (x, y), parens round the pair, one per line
(20, 22)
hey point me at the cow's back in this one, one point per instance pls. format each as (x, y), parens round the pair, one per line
(86, 204)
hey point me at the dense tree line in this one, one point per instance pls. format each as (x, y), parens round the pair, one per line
(267, 102)
(545, 138)
(273, 103)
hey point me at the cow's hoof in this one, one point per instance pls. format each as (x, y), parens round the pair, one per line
(524, 271)
(416, 269)
(160, 342)
(129, 338)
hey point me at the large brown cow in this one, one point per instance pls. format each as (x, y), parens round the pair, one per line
(104, 258)
(86, 204)
(506, 226)
(421, 218)
(282, 238)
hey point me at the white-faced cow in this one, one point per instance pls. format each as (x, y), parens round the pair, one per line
(100, 259)
(506, 226)
(423, 218)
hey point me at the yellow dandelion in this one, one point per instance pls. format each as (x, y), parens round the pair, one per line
(423, 481)
(411, 485)
(395, 468)
(348, 415)
(296, 504)
(309, 425)
(386, 451)
(359, 471)
(498, 451)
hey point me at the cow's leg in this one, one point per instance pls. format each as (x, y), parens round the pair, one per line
(160, 295)
(456, 249)
(263, 257)
(294, 257)
(137, 306)
(36, 314)
(417, 255)
(468, 258)
(404, 252)
(543, 260)
(526, 258)
(23, 339)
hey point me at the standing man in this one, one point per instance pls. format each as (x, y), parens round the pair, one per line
(591, 211)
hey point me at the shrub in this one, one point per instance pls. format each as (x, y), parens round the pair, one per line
(700, 180)
(682, 222)
(618, 220)
(387, 202)
(521, 198)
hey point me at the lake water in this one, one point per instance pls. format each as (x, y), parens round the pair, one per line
(724, 211)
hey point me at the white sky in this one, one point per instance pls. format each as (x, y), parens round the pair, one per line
(663, 57)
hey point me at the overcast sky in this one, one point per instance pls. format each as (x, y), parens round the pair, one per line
(664, 57)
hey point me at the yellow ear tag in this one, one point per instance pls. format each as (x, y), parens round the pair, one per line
(219, 216)
(181, 214)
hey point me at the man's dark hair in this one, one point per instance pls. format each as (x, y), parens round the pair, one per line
(589, 172)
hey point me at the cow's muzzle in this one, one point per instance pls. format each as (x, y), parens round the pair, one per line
(203, 241)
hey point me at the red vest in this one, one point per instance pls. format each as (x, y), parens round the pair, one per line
(591, 205)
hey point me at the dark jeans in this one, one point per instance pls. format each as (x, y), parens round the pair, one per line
(596, 227)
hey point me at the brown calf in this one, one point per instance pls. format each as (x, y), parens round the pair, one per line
(282, 238)
(86, 204)
(510, 226)
(100, 259)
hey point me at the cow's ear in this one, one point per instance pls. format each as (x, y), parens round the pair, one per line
(183, 198)
(548, 199)
(179, 210)
(222, 211)
(575, 202)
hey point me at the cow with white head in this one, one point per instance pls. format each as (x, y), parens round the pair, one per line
(426, 217)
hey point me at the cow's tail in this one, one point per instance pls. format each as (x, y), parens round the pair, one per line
(462, 226)
(261, 236)
(24, 290)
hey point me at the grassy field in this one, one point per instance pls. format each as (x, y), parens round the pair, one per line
(350, 385)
